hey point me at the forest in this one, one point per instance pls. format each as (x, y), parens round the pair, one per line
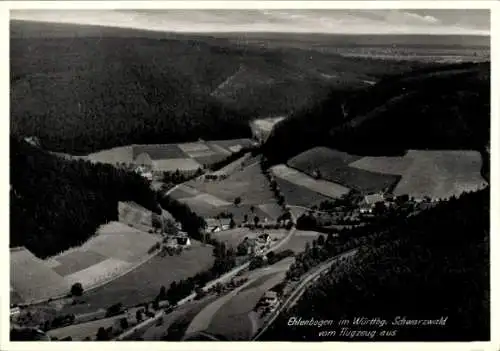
(81, 89)
(431, 265)
(443, 108)
(57, 203)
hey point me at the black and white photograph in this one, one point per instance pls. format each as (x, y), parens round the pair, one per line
(249, 174)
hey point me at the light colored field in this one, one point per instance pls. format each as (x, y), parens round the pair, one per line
(143, 283)
(75, 261)
(206, 199)
(201, 153)
(134, 214)
(267, 124)
(32, 279)
(189, 190)
(320, 186)
(228, 144)
(114, 249)
(118, 154)
(99, 272)
(233, 166)
(159, 151)
(219, 149)
(183, 192)
(249, 184)
(297, 242)
(173, 164)
(437, 174)
(200, 207)
(273, 210)
(83, 330)
(129, 245)
(235, 148)
(388, 165)
(193, 147)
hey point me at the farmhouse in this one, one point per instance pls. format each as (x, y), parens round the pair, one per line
(217, 225)
(270, 298)
(372, 199)
(264, 239)
(144, 172)
(183, 241)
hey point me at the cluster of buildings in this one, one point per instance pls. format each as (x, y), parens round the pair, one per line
(256, 246)
(388, 200)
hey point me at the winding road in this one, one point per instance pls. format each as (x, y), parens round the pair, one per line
(299, 290)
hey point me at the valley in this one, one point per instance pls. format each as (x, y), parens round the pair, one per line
(168, 187)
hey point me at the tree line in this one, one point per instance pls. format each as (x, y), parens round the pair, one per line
(57, 203)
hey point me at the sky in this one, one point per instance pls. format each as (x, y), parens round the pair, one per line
(464, 22)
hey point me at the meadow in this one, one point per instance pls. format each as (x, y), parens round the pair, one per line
(298, 241)
(143, 283)
(296, 195)
(436, 174)
(170, 157)
(114, 249)
(320, 186)
(334, 166)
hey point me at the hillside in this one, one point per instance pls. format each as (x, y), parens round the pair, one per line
(444, 108)
(432, 265)
(81, 89)
(56, 203)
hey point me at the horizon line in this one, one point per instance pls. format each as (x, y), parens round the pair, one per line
(246, 31)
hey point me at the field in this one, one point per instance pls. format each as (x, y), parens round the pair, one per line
(261, 128)
(320, 186)
(233, 237)
(210, 198)
(436, 174)
(334, 166)
(143, 283)
(170, 157)
(296, 195)
(298, 241)
(31, 279)
(249, 184)
(113, 250)
(135, 215)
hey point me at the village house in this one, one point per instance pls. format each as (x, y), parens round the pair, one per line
(270, 298)
(264, 239)
(216, 225)
(142, 171)
(256, 246)
(369, 201)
